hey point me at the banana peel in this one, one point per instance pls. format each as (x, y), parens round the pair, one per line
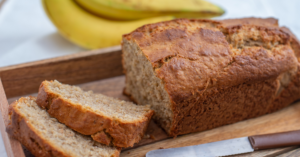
(138, 9)
(87, 30)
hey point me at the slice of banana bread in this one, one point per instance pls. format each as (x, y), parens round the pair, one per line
(107, 120)
(45, 136)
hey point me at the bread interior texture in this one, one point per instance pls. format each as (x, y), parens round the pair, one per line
(104, 105)
(58, 135)
(141, 75)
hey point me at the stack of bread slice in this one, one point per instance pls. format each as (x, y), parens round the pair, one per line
(66, 121)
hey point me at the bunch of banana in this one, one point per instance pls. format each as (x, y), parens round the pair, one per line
(93, 24)
(138, 9)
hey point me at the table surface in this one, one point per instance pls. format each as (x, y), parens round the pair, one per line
(28, 35)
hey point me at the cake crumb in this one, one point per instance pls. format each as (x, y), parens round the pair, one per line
(152, 137)
(146, 136)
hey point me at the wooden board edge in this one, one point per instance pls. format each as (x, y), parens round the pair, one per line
(13, 147)
(73, 69)
(63, 58)
(283, 151)
(292, 153)
(267, 152)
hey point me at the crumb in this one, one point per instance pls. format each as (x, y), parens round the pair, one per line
(152, 137)
(128, 152)
(146, 136)
(161, 148)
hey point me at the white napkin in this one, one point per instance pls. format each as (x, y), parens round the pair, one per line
(287, 12)
(26, 34)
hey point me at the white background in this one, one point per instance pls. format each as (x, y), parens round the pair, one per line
(27, 35)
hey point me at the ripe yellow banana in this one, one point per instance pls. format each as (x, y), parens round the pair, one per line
(138, 9)
(88, 30)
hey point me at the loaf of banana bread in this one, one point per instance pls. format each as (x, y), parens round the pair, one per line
(201, 74)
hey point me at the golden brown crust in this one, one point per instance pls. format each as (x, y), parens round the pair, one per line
(28, 136)
(268, 22)
(220, 72)
(103, 137)
(20, 129)
(87, 122)
(295, 43)
(230, 105)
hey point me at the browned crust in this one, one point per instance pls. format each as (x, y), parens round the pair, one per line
(103, 137)
(295, 43)
(267, 22)
(20, 129)
(227, 106)
(247, 86)
(87, 122)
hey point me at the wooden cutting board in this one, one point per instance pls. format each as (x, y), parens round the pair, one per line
(101, 72)
(286, 119)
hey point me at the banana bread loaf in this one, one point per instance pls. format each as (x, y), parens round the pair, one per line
(201, 74)
(44, 136)
(107, 120)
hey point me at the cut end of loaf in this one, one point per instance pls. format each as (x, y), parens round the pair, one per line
(44, 135)
(141, 75)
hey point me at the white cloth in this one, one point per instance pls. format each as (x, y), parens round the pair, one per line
(26, 34)
(287, 12)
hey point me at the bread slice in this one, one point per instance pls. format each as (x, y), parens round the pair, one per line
(201, 74)
(44, 136)
(107, 120)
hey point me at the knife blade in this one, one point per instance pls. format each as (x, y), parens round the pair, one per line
(232, 146)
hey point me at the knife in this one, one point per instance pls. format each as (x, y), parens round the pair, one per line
(232, 146)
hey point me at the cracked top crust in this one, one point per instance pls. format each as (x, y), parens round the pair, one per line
(268, 22)
(191, 56)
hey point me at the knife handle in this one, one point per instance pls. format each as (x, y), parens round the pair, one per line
(276, 140)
